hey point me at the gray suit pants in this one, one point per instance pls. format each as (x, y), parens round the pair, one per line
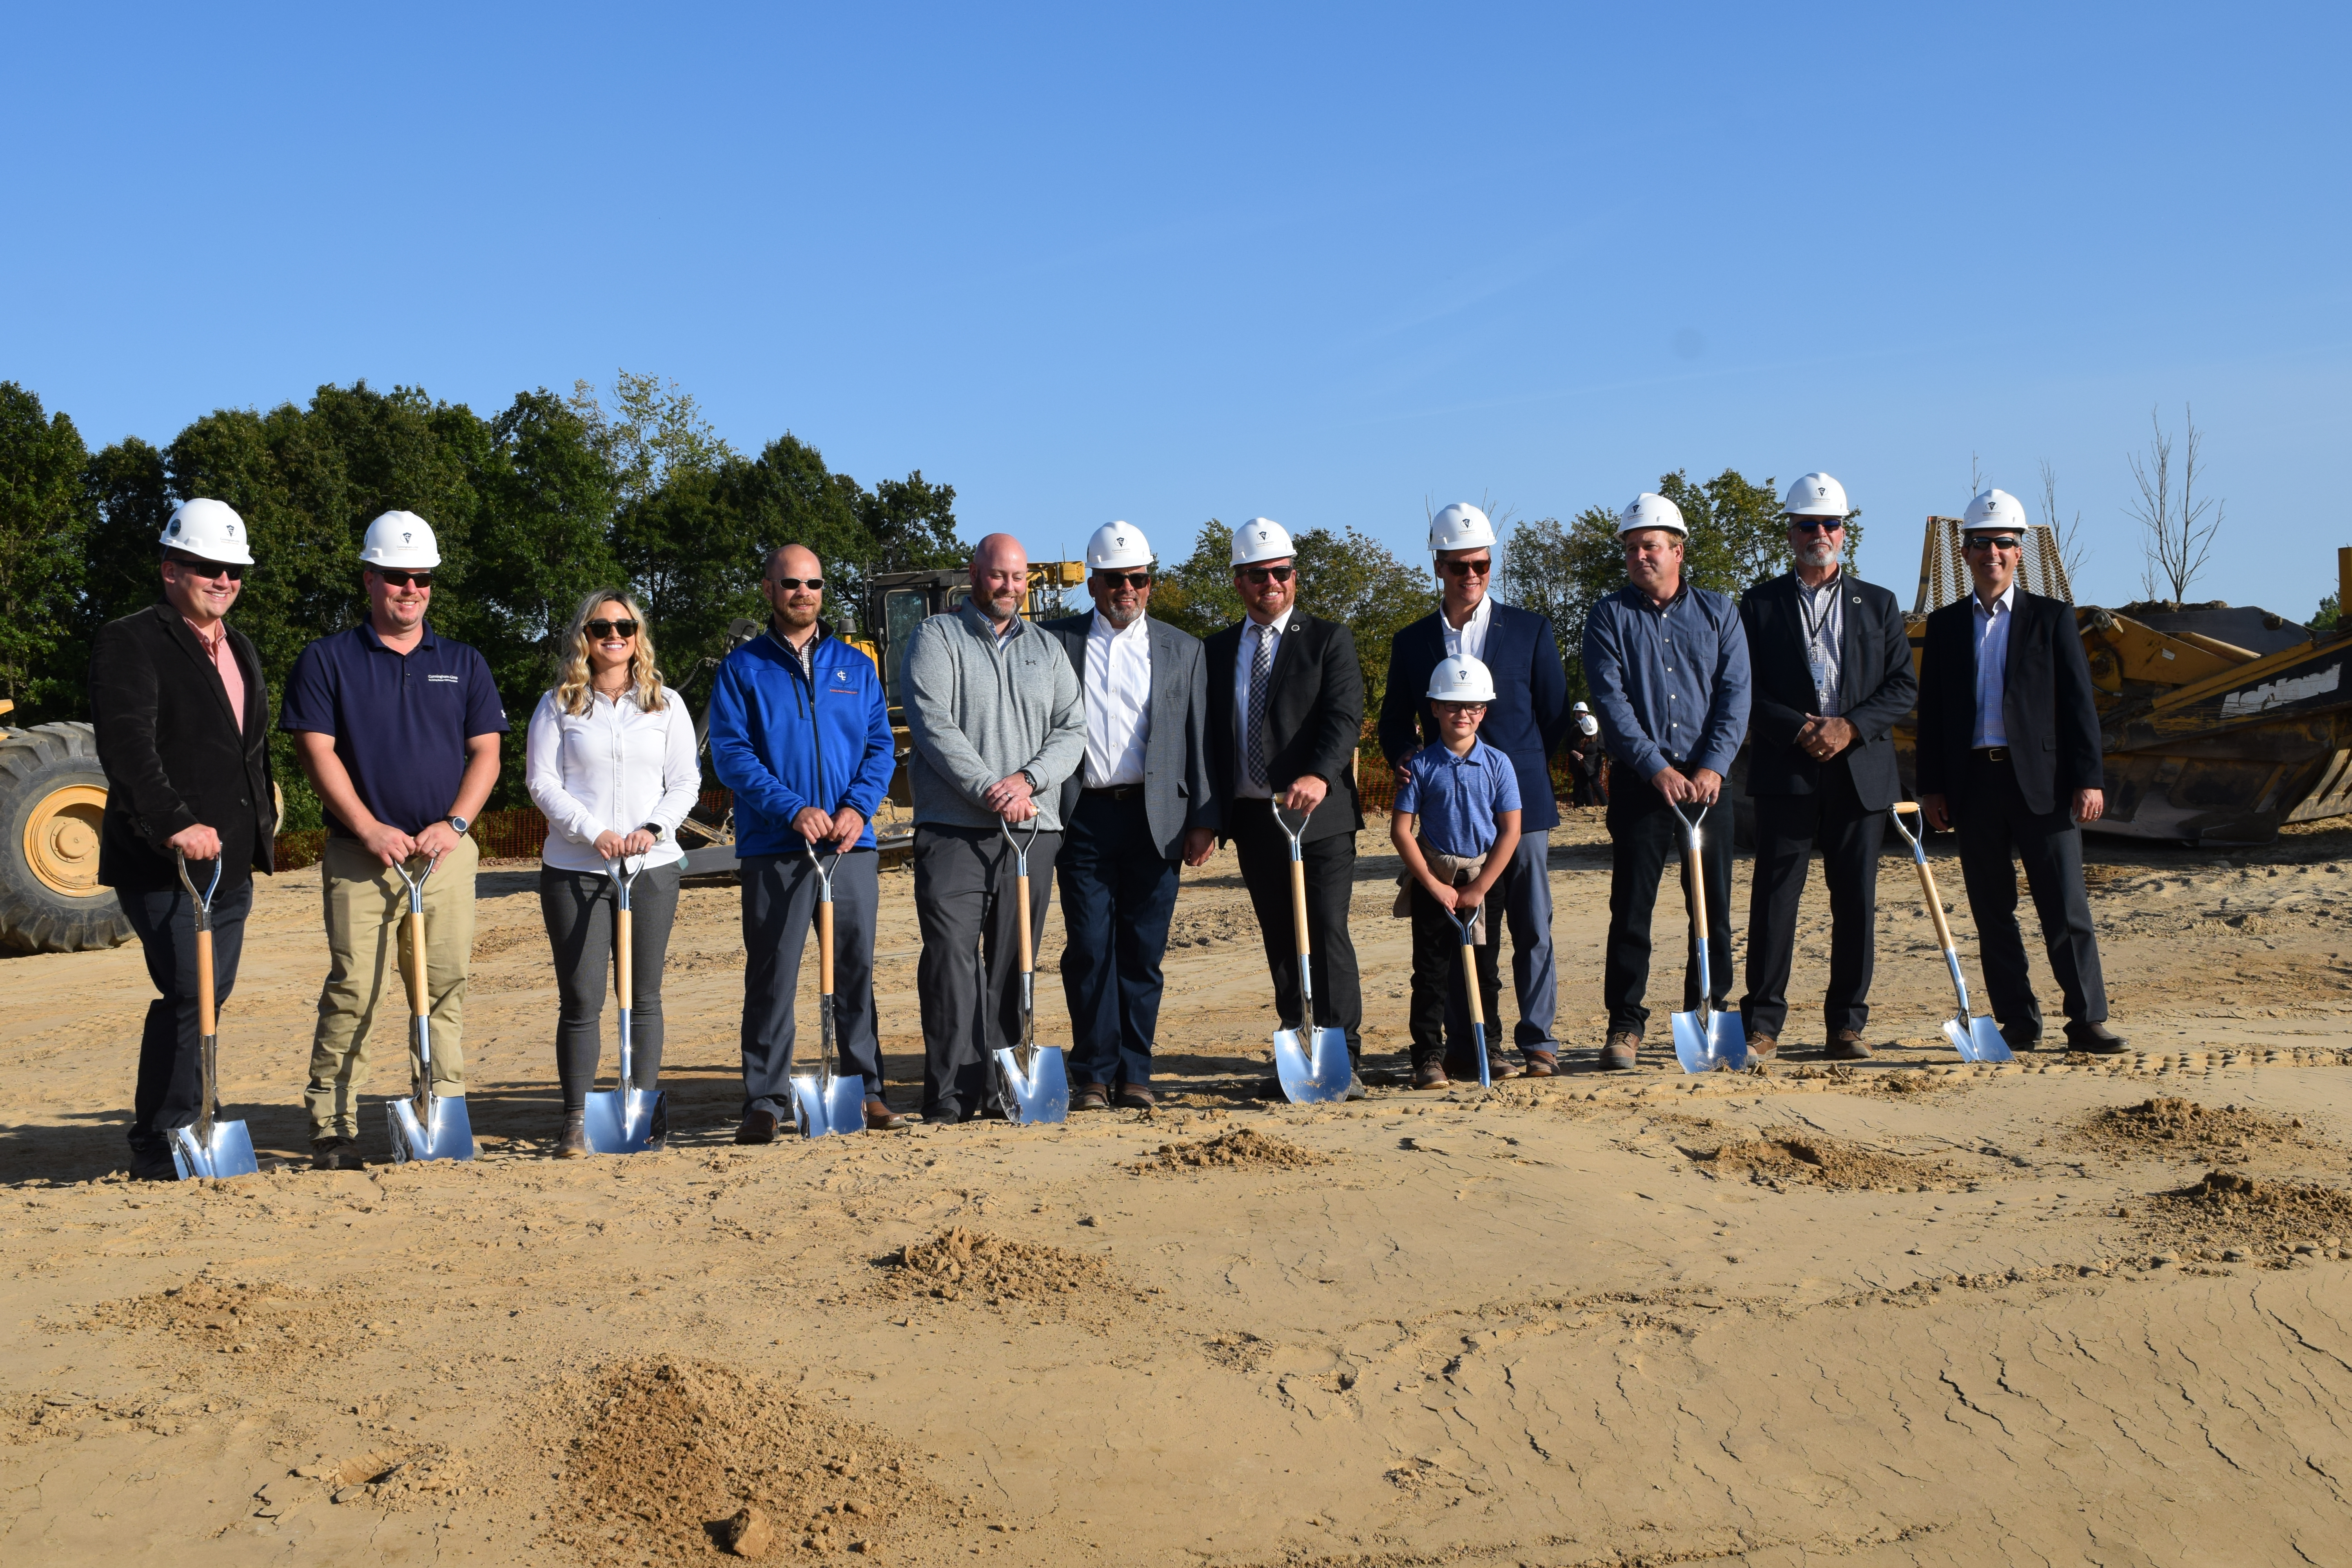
(969, 975)
(1526, 909)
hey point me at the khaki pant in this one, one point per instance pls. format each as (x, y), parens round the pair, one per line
(367, 914)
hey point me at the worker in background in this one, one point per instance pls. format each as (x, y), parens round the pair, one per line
(398, 730)
(1138, 804)
(183, 722)
(1831, 664)
(1285, 709)
(1586, 757)
(997, 722)
(2009, 754)
(1526, 721)
(1668, 666)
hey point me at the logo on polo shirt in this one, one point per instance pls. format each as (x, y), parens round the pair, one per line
(450, 678)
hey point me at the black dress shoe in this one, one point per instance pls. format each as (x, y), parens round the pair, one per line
(1089, 1097)
(2021, 1040)
(2096, 1038)
(1133, 1096)
(943, 1115)
(759, 1127)
(150, 1165)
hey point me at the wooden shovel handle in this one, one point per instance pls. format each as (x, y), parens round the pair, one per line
(1697, 886)
(1470, 981)
(825, 947)
(1298, 906)
(622, 937)
(205, 1019)
(1021, 897)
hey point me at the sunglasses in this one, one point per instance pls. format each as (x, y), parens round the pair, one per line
(612, 628)
(407, 579)
(1260, 574)
(1467, 568)
(1445, 703)
(1126, 579)
(1993, 542)
(1815, 524)
(814, 584)
(199, 568)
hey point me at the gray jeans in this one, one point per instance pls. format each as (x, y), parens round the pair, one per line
(780, 899)
(969, 975)
(579, 907)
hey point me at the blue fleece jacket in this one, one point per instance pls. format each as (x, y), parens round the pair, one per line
(783, 742)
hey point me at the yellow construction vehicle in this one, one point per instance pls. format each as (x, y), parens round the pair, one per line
(52, 804)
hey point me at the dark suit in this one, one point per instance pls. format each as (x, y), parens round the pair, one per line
(1803, 803)
(176, 756)
(1526, 722)
(2020, 806)
(1119, 867)
(1314, 712)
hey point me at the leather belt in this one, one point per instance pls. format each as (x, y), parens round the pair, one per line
(1114, 792)
(1994, 754)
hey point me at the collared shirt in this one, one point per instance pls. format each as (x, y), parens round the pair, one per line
(1251, 632)
(1470, 640)
(614, 768)
(1670, 685)
(1991, 628)
(1823, 610)
(400, 720)
(1453, 799)
(1119, 701)
(224, 658)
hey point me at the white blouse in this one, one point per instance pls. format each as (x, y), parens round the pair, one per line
(616, 769)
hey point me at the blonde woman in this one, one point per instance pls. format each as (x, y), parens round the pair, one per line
(611, 760)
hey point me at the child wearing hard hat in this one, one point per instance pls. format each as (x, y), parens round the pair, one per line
(1455, 826)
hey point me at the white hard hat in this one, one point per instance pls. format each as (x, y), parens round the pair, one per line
(1586, 724)
(1260, 539)
(1994, 509)
(401, 539)
(210, 530)
(1815, 495)
(1461, 679)
(1461, 527)
(1118, 544)
(1647, 511)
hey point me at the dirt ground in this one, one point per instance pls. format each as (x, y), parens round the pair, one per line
(1910, 1312)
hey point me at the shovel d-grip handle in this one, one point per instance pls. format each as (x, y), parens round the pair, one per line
(1297, 880)
(1926, 875)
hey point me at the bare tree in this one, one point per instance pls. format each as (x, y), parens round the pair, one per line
(2073, 550)
(2178, 527)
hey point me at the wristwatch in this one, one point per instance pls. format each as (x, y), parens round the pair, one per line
(459, 824)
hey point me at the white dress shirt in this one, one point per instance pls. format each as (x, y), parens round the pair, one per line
(616, 768)
(1823, 610)
(1251, 633)
(1991, 627)
(1470, 640)
(1119, 701)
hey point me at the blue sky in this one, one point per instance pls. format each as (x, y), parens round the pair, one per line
(1321, 264)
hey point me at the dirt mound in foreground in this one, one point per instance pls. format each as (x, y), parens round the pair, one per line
(1241, 1149)
(973, 1265)
(1822, 1163)
(2170, 1126)
(2228, 1208)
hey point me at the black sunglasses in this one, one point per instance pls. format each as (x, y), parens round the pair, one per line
(1260, 574)
(204, 568)
(1468, 568)
(1126, 579)
(1815, 524)
(406, 579)
(814, 584)
(1989, 541)
(612, 628)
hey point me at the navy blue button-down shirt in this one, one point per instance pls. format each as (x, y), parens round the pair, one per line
(1671, 686)
(400, 720)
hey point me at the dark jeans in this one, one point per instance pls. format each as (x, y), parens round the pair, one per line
(1117, 895)
(969, 977)
(1440, 1008)
(1995, 824)
(1644, 839)
(1264, 850)
(1789, 828)
(779, 900)
(579, 908)
(171, 1069)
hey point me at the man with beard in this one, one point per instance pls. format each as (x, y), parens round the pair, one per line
(1138, 804)
(1833, 671)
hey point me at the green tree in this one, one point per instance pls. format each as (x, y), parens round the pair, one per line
(46, 512)
(129, 487)
(654, 433)
(2325, 618)
(911, 525)
(1561, 571)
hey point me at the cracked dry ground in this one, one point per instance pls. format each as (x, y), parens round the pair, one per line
(1910, 1313)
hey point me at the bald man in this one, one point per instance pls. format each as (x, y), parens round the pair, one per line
(998, 721)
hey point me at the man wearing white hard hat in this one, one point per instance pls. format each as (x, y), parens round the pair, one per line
(1526, 721)
(1137, 805)
(1833, 668)
(183, 721)
(397, 728)
(1285, 708)
(1667, 663)
(2010, 754)
(1585, 755)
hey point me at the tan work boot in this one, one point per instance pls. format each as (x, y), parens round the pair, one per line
(1763, 1046)
(1621, 1051)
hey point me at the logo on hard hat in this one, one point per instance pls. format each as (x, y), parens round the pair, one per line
(406, 537)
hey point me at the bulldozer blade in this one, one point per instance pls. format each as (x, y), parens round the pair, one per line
(820, 1108)
(445, 1132)
(1042, 1093)
(1316, 1074)
(626, 1121)
(1705, 1042)
(228, 1153)
(1977, 1040)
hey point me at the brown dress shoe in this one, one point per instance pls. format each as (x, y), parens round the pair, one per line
(1763, 1045)
(1429, 1074)
(1133, 1096)
(880, 1118)
(1846, 1045)
(1090, 1097)
(1622, 1052)
(759, 1127)
(1540, 1063)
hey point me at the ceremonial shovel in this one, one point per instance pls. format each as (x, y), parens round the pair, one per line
(1470, 986)
(824, 1103)
(1705, 1039)
(1977, 1039)
(1034, 1083)
(1315, 1069)
(211, 1147)
(428, 1126)
(624, 1121)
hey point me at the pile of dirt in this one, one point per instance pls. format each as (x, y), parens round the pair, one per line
(1239, 1149)
(1820, 1161)
(958, 1264)
(2226, 1209)
(263, 1319)
(667, 1451)
(2170, 1128)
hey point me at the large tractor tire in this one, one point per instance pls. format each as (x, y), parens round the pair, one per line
(52, 800)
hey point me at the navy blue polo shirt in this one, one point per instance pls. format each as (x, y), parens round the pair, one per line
(400, 720)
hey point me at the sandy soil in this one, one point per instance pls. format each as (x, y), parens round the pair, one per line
(1906, 1314)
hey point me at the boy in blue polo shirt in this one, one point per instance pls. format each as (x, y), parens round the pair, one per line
(1455, 827)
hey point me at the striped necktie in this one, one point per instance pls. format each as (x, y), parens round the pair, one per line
(1261, 667)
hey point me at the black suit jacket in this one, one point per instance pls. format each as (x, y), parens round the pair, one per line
(1526, 720)
(1314, 715)
(1177, 796)
(175, 756)
(2047, 708)
(1875, 681)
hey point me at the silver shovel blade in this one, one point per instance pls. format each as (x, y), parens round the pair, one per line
(1315, 1074)
(450, 1136)
(1721, 1042)
(626, 1121)
(229, 1152)
(1040, 1094)
(1977, 1040)
(819, 1109)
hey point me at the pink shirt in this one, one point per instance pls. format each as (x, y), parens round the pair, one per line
(224, 659)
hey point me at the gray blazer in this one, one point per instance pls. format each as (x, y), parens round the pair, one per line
(1176, 792)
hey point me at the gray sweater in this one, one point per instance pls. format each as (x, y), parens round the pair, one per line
(977, 713)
